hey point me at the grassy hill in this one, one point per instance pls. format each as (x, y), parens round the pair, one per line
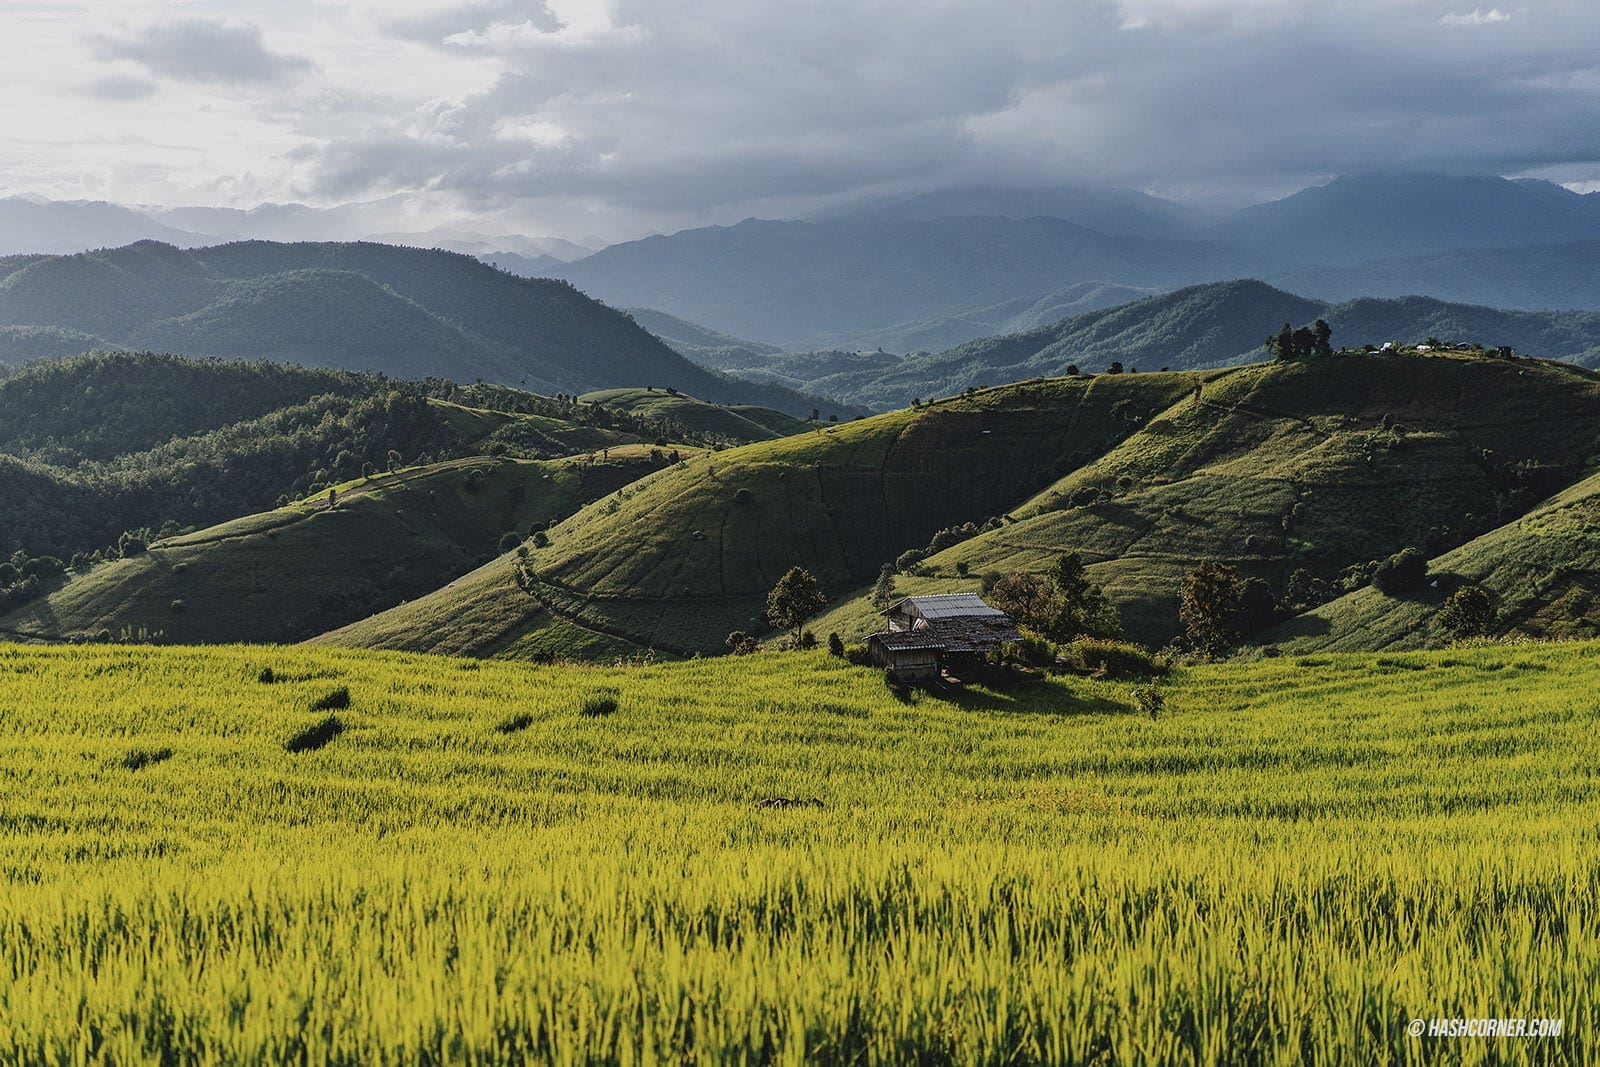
(289, 574)
(740, 423)
(93, 446)
(685, 556)
(1277, 467)
(406, 312)
(1542, 572)
(1295, 858)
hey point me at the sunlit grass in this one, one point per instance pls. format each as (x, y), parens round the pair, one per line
(1297, 858)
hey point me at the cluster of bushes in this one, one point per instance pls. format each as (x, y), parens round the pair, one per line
(910, 561)
(23, 577)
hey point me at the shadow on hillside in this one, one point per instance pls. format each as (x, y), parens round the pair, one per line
(1035, 698)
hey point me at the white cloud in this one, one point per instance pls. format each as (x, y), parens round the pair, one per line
(1476, 17)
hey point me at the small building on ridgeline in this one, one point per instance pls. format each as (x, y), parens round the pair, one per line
(947, 631)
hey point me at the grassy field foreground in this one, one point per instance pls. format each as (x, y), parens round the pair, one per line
(1296, 859)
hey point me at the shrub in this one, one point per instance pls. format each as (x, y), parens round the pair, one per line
(1148, 699)
(743, 496)
(266, 677)
(1401, 572)
(741, 643)
(317, 735)
(520, 721)
(598, 705)
(1468, 613)
(1116, 659)
(1033, 651)
(509, 541)
(338, 698)
(130, 544)
(835, 645)
(808, 639)
(140, 758)
(177, 605)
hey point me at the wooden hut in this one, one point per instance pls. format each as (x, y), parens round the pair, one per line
(948, 631)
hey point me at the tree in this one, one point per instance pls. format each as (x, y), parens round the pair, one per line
(1468, 613)
(1115, 367)
(741, 643)
(1281, 344)
(883, 591)
(793, 600)
(1082, 608)
(1322, 335)
(130, 544)
(1402, 572)
(1030, 599)
(1210, 597)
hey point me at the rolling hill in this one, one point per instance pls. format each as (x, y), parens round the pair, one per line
(1319, 465)
(97, 445)
(1542, 572)
(737, 423)
(1220, 324)
(405, 312)
(289, 574)
(687, 555)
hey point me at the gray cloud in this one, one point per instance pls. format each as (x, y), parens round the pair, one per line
(682, 109)
(122, 87)
(202, 50)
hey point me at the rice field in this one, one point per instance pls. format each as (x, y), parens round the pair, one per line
(258, 854)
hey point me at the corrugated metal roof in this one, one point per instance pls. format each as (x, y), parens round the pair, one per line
(907, 640)
(949, 605)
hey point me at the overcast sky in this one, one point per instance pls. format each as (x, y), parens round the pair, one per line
(616, 117)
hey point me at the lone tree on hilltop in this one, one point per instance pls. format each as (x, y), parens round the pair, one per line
(793, 600)
(1468, 613)
(1210, 597)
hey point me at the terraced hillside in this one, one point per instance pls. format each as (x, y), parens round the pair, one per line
(1276, 467)
(688, 554)
(289, 574)
(737, 423)
(1541, 571)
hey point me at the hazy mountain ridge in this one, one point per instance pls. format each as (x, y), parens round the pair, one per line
(406, 312)
(1213, 325)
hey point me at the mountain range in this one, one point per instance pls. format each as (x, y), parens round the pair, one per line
(931, 270)
(406, 312)
(934, 270)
